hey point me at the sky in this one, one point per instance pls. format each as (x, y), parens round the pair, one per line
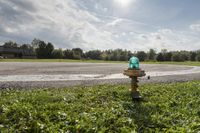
(103, 24)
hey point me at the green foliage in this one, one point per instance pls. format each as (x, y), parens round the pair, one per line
(193, 56)
(185, 55)
(198, 56)
(116, 55)
(25, 46)
(168, 56)
(177, 57)
(160, 57)
(94, 54)
(45, 50)
(77, 53)
(141, 55)
(40, 50)
(10, 44)
(57, 54)
(49, 50)
(68, 54)
(151, 54)
(104, 108)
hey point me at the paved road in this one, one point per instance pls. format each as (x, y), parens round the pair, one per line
(37, 74)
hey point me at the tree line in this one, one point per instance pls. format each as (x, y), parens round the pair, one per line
(46, 50)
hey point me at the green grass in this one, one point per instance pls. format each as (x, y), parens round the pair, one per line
(104, 108)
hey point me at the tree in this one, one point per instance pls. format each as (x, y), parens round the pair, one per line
(114, 56)
(129, 55)
(124, 56)
(27, 49)
(104, 56)
(176, 56)
(151, 54)
(68, 54)
(193, 56)
(49, 50)
(168, 56)
(41, 50)
(57, 54)
(184, 55)
(35, 43)
(163, 51)
(198, 56)
(10, 44)
(160, 57)
(94, 54)
(141, 55)
(77, 53)
(25, 46)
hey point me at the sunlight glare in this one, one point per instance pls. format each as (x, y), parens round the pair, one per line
(123, 3)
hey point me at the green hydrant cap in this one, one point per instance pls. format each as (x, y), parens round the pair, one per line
(134, 63)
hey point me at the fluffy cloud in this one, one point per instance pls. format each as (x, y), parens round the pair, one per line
(59, 21)
(115, 22)
(195, 27)
(164, 39)
(66, 24)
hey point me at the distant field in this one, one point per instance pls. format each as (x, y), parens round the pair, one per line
(190, 63)
(105, 108)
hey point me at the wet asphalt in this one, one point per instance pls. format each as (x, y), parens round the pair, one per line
(55, 68)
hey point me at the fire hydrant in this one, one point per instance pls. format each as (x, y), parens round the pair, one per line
(134, 72)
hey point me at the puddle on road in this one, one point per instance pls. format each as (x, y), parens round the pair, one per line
(72, 77)
(63, 77)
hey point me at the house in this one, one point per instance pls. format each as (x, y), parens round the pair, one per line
(11, 52)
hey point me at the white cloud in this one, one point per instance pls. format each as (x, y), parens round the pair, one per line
(100, 8)
(105, 9)
(65, 24)
(165, 31)
(195, 27)
(115, 22)
(123, 33)
(164, 39)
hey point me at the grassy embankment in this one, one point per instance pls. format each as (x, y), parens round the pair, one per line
(106, 108)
